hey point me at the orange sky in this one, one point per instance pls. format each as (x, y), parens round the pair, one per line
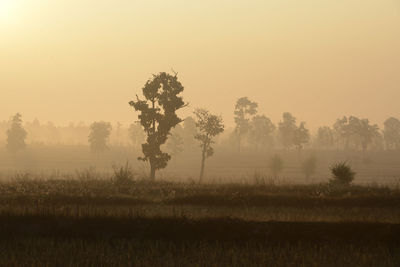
(83, 60)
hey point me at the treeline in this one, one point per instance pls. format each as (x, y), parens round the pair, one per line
(252, 131)
(347, 133)
(160, 133)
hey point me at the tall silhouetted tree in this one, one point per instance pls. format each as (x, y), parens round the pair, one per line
(301, 136)
(287, 128)
(261, 131)
(99, 136)
(208, 126)
(391, 133)
(158, 116)
(243, 109)
(16, 135)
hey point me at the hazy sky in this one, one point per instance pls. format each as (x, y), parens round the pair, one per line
(83, 60)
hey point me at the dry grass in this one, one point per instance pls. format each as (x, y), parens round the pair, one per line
(89, 219)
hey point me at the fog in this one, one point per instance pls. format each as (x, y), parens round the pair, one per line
(72, 61)
(199, 133)
(50, 148)
(67, 64)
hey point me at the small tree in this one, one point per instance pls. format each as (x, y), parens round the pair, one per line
(308, 166)
(276, 165)
(208, 126)
(342, 173)
(99, 135)
(243, 108)
(158, 116)
(16, 135)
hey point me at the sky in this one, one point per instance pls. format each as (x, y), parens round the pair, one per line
(84, 60)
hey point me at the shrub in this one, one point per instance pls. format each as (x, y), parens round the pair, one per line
(276, 165)
(263, 179)
(87, 175)
(308, 166)
(342, 173)
(123, 177)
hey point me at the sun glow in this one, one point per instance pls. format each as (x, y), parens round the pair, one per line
(8, 10)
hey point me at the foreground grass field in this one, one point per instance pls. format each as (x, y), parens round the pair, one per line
(44, 240)
(109, 222)
(123, 252)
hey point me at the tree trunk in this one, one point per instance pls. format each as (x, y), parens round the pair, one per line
(203, 161)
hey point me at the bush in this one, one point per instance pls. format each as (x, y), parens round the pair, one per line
(276, 165)
(342, 173)
(123, 177)
(308, 166)
(263, 179)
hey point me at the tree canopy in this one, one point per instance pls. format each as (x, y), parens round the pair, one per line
(158, 116)
(209, 126)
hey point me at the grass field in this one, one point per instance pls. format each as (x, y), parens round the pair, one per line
(226, 166)
(90, 219)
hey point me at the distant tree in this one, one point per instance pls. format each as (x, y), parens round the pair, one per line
(286, 129)
(378, 142)
(353, 132)
(391, 133)
(189, 131)
(309, 166)
(341, 132)
(99, 136)
(208, 126)
(243, 109)
(16, 135)
(158, 116)
(301, 136)
(53, 133)
(174, 144)
(261, 131)
(34, 131)
(325, 137)
(136, 134)
(367, 133)
(275, 164)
